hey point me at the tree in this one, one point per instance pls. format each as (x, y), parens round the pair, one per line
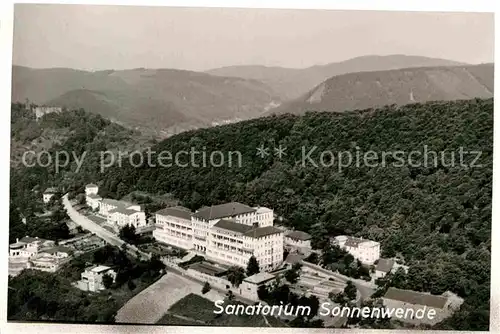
(155, 264)
(230, 295)
(293, 274)
(206, 288)
(253, 266)
(312, 258)
(263, 293)
(107, 281)
(128, 234)
(236, 275)
(350, 290)
(131, 285)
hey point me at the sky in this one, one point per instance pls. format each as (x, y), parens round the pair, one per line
(92, 37)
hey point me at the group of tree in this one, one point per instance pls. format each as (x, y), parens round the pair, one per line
(334, 258)
(346, 296)
(279, 293)
(206, 288)
(292, 275)
(35, 295)
(236, 274)
(128, 234)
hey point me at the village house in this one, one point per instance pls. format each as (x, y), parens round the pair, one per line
(44, 110)
(250, 285)
(117, 213)
(91, 197)
(207, 272)
(298, 240)
(48, 194)
(91, 189)
(51, 259)
(443, 305)
(366, 251)
(91, 278)
(28, 247)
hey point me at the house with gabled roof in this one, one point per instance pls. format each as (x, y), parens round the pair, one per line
(435, 308)
(364, 250)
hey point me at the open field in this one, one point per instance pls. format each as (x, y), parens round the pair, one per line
(199, 311)
(150, 305)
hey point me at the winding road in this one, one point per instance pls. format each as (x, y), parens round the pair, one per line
(98, 230)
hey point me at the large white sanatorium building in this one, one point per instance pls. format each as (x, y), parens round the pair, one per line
(366, 251)
(228, 233)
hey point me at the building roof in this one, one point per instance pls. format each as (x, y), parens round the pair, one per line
(116, 203)
(298, 235)
(261, 209)
(98, 269)
(259, 278)
(260, 232)
(353, 241)
(50, 190)
(91, 185)
(207, 268)
(233, 226)
(57, 249)
(385, 265)
(416, 298)
(223, 211)
(29, 239)
(176, 211)
(294, 258)
(125, 211)
(17, 245)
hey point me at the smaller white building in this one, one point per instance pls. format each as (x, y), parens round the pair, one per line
(93, 201)
(50, 260)
(92, 278)
(48, 194)
(413, 303)
(44, 110)
(28, 247)
(91, 189)
(91, 197)
(366, 251)
(298, 239)
(131, 215)
(250, 285)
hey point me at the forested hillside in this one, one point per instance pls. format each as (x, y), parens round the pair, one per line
(161, 101)
(437, 219)
(74, 132)
(291, 83)
(400, 86)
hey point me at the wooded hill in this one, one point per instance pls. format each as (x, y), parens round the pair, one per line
(436, 219)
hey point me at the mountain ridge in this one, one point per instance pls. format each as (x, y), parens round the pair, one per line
(402, 86)
(291, 83)
(161, 100)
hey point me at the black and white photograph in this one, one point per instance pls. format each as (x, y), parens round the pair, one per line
(245, 167)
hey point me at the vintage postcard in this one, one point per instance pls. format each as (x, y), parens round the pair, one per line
(242, 167)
